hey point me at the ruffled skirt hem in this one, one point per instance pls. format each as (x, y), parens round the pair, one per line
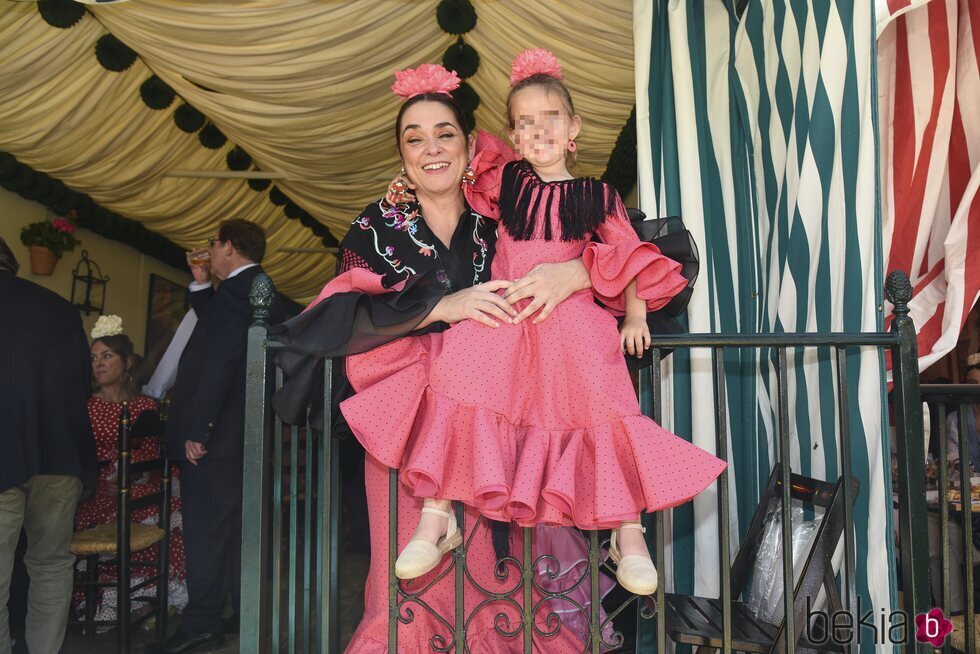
(591, 477)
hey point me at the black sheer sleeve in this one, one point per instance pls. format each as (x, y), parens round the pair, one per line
(349, 322)
(674, 241)
(354, 321)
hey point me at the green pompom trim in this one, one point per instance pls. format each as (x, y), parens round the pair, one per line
(61, 13)
(113, 54)
(462, 58)
(456, 16)
(8, 165)
(277, 197)
(21, 179)
(188, 119)
(156, 93)
(467, 99)
(238, 159)
(53, 194)
(621, 167)
(292, 210)
(211, 137)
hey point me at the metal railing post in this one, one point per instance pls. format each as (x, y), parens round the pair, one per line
(911, 456)
(253, 626)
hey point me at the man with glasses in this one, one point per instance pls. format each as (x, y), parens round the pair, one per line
(206, 425)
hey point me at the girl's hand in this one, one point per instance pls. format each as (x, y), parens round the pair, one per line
(634, 335)
(480, 303)
(549, 284)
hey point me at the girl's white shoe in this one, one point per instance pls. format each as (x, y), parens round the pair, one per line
(634, 572)
(420, 555)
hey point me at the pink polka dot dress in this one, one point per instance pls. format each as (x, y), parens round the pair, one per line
(534, 423)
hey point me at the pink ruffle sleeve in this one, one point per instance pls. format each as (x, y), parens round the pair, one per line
(361, 280)
(622, 257)
(488, 169)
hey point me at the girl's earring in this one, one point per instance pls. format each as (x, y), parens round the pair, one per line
(468, 177)
(571, 146)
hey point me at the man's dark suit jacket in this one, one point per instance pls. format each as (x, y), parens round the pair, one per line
(45, 383)
(210, 385)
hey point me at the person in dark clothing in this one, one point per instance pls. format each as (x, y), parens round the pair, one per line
(206, 426)
(48, 448)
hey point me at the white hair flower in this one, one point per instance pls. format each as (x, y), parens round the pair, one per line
(107, 326)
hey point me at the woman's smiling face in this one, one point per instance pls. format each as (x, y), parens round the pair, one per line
(433, 149)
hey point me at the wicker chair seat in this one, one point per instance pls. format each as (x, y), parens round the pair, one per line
(958, 638)
(103, 540)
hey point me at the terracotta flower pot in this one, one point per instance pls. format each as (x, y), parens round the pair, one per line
(43, 260)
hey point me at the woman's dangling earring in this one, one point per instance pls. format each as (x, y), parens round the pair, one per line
(468, 177)
(398, 190)
(571, 146)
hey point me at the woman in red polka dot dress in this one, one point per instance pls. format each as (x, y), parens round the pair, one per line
(113, 361)
(535, 421)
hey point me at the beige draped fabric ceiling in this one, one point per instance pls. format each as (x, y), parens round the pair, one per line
(301, 85)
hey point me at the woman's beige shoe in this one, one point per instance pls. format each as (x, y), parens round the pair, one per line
(634, 572)
(420, 556)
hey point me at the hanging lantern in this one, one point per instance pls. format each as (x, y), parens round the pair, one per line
(88, 286)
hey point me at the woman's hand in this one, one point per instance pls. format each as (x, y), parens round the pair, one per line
(549, 284)
(634, 335)
(480, 303)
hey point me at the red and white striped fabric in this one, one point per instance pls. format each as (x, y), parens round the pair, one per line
(930, 160)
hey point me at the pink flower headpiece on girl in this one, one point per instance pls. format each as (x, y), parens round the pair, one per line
(537, 61)
(427, 78)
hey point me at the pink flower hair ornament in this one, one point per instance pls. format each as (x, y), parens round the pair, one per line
(536, 61)
(427, 78)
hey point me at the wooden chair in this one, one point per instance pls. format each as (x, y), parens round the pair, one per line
(698, 620)
(127, 536)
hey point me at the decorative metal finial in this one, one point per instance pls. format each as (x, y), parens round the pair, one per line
(261, 297)
(898, 290)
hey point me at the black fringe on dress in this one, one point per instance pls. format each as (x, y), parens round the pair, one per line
(583, 203)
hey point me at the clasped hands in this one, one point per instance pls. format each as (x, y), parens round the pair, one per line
(547, 285)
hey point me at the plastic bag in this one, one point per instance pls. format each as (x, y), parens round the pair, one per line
(766, 592)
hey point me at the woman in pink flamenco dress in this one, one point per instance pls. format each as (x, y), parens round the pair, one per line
(535, 421)
(409, 265)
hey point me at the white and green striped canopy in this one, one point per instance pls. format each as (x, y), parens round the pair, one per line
(759, 130)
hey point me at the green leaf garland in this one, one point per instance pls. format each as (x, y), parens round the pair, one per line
(54, 194)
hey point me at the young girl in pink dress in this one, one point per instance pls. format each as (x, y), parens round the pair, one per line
(535, 421)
